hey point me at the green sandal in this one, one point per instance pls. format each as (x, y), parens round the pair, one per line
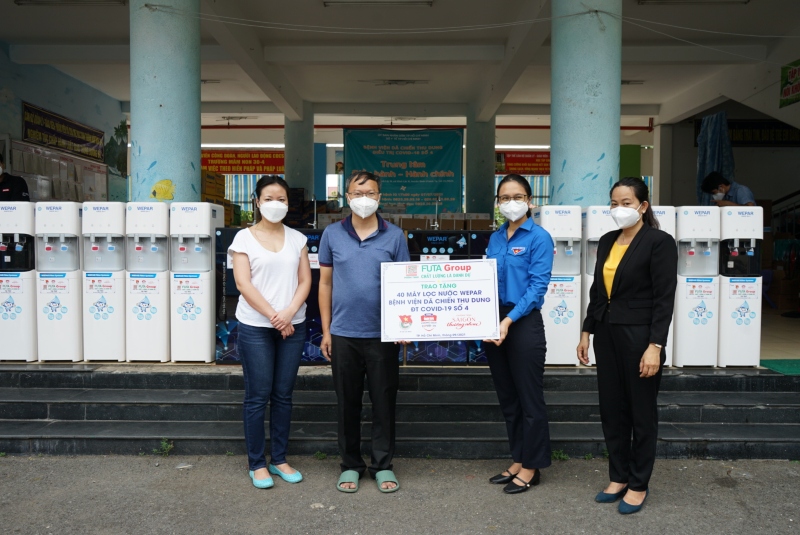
(348, 476)
(386, 476)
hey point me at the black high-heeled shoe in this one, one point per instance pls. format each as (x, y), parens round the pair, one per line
(513, 488)
(500, 479)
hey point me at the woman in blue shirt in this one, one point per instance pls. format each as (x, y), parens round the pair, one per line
(524, 255)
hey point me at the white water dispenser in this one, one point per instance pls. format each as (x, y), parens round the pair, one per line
(17, 281)
(596, 221)
(59, 291)
(666, 220)
(562, 304)
(741, 232)
(192, 229)
(147, 287)
(104, 281)
(696, 316)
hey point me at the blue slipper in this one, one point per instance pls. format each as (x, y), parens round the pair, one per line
(261, 483)
(297, 477)
(606, 497)
(627, 509)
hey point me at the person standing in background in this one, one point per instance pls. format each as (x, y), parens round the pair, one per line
(12, 188)
(726, 192)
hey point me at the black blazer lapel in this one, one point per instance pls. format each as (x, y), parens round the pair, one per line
(630, 252)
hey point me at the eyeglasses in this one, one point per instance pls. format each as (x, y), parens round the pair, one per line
(505, 198)
(357, 195)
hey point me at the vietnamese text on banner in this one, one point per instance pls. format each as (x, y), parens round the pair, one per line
(416, 167)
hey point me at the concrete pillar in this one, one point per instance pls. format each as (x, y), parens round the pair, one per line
(662, 165)
(165, 103)
(299, 157)
(586, 54)
(480, 165)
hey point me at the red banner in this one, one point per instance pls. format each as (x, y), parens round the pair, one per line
(522, 162)
(240, 162)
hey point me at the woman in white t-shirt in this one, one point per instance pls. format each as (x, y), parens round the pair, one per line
(272, 272)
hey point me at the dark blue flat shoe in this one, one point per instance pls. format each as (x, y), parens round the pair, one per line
(627, 509)
(604, 497)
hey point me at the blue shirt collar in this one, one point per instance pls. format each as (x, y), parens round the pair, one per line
(347, 223)
(527, 225)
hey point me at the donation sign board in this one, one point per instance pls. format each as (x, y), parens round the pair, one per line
(447, 300)
(416, 167)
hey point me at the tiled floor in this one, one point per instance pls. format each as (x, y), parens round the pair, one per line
(780, 337)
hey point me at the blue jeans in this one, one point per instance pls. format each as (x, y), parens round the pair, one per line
(269, 364)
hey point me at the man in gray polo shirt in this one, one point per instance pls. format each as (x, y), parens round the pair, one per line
(350, 256)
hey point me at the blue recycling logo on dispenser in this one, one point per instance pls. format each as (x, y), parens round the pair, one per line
(743, 315)
(9, 309)
(188, 310)
(100, 309)
(700, 314)
(144, 310)
(54, 310)
(561, 313)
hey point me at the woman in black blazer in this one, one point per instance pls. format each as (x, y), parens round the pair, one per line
(629, 312)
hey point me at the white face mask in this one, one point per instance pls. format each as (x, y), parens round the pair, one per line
(363, 207)
(625, 217)
(273, 211)
(513, 210)
(718, 196)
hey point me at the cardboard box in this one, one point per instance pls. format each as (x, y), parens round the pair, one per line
(408, 223)
(220, 189)
(452, 215)
(451, 224)
(479, 224)
(476, 215)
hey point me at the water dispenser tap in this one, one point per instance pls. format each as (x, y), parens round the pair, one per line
(692, 245)
(17, 243)
(47, 246)
(568, 248)
(197, 247)
(95, 247)
(707, 249)
(735, 250)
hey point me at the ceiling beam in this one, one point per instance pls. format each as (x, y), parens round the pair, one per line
(521, 46)
(640, 110)
(244, 47)
(390, 110)
(41, 54)
(679, 55)
(756, 86)
(95, 54)
(459, 54)
(398, 109)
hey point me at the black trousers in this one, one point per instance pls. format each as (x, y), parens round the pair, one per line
(628, 409)
(517, 367)
(351, 361)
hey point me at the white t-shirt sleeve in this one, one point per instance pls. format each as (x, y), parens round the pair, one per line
(238, 245)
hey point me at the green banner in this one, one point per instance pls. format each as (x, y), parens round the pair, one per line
(416, 167)
(790, 84)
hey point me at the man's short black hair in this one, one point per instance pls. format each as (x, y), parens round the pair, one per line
(361, 177)
(712, 181)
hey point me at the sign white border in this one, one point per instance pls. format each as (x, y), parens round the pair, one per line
(459, 300)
